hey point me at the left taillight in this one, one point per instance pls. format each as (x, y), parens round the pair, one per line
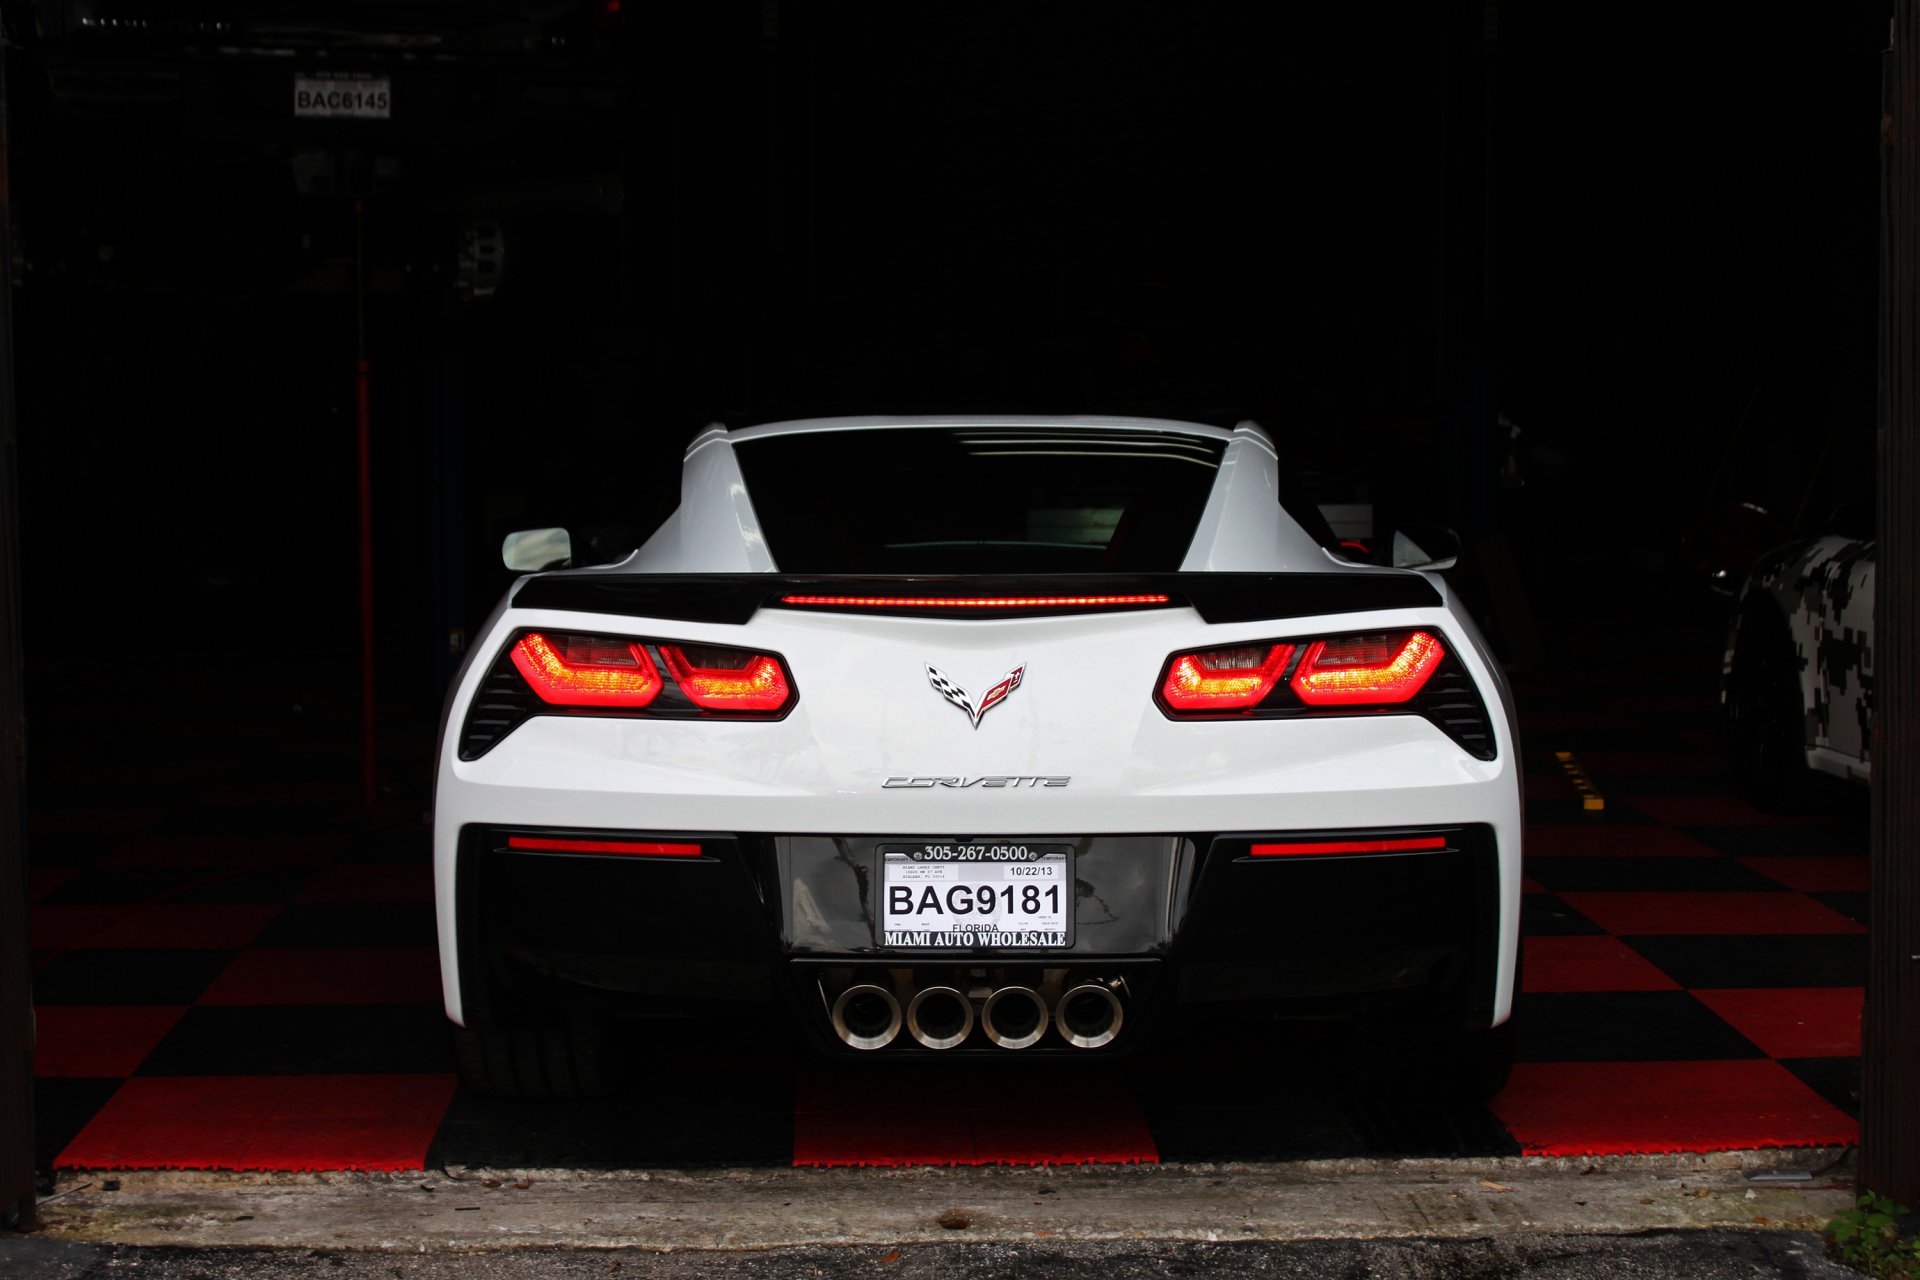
(572, 673)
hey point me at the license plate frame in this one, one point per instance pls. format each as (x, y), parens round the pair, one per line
(331, 95)
(951, 870)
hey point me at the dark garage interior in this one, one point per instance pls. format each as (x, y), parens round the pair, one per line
(1600, 289)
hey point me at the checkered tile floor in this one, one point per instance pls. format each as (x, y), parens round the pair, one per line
(235, 971)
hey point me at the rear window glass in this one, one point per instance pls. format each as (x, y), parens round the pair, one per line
(979, 499)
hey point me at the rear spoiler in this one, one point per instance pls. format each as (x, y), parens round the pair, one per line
(735, 597)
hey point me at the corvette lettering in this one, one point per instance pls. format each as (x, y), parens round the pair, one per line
(988, 780)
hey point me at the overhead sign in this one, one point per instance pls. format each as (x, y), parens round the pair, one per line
(342, 96)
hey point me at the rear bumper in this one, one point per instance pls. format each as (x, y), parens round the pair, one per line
(1193, 920)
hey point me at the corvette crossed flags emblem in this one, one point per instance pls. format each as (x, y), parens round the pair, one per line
(952, 692)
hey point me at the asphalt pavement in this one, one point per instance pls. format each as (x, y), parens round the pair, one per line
(1693, 1255)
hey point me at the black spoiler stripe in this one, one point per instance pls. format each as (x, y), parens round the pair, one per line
(735, 597)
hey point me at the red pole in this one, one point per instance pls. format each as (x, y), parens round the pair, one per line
(364, 430)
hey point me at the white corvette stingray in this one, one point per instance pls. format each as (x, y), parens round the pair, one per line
(990, 736)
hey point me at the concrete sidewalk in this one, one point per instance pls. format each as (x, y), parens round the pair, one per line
(476, 1209)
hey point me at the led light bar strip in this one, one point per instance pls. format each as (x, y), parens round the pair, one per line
(644, 848)
(1408, 844)
(971, 602)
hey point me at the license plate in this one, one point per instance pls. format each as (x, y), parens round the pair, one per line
(976, 897)
(342, 97)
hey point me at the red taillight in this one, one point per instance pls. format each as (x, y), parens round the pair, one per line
(1373, 669)
(587, 671)
(1225, 679)
(727, 679)
(642, 848)
(1397, 844)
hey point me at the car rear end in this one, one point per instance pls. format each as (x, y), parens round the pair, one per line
(1039, 809)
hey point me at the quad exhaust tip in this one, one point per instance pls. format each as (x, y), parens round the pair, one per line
(866, 1016)
(1089, 1015)
(939, 1017)
(1014, 1017)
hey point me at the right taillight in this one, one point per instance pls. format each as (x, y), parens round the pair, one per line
(1407, 671)
(727, 679)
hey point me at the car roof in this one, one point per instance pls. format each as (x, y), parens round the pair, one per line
(1092, 422)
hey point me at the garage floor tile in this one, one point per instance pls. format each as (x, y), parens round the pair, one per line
(245, 976)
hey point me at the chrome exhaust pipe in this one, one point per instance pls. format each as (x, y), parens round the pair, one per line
(1089, 1015)
(866, 1016)
(1014, 1017)
(939, 1017)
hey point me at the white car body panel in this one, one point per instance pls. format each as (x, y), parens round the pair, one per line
(1085, 710)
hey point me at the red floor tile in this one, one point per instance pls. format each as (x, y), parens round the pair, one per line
(1613, 1108)
(331, 975)
(195, 926)
(1719, 811)
(1545, 841)
(370, 883)
(1793, 1022)
(264, 1122)
(42, 881)
(1529, 885)
(98, 1040)
(1036, 1118)
(1588, 963)
(1814, 875)
(1626, 914)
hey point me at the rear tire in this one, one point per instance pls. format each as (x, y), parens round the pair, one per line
(1481, 1062)
(566, 1059)
(1766, 732)
(1435, 1065)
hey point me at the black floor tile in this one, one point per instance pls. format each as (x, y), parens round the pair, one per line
(62, 1106)
(1835, 1079)
(413, 845)
(261, 820)
(1602, 740)
(1544, 915)
(128, 976)
(1792, 960)
(1854, 906)
(274, 1040)
(268, 885)
(373, 924)
(1783, 841)
(57, 850)
(102, 886)
(714, 1096)
(1647, 875)
(1624, 1026)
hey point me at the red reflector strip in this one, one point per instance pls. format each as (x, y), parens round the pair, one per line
(1404, 845)
(645, 848)
(970, 602)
